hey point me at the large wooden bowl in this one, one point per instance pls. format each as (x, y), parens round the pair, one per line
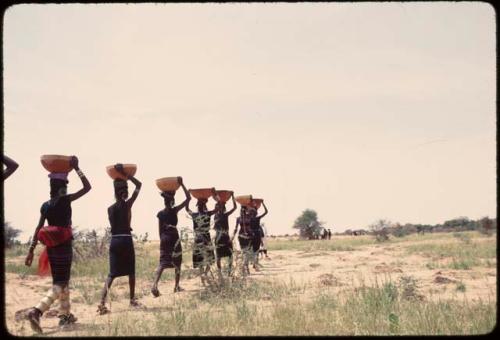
(168, 184)
(244, 199)
(256, 202)
(204, 193)
(129, 169)
(223, 195)
(56, 163)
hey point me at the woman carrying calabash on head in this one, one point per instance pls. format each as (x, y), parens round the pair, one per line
(11, 166)
(244, 237)
(203, 252)
(170, 243)
(256, 233)
(121, 248)
(58, 253)
(223, 244)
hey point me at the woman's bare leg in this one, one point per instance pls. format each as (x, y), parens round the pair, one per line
(107, 285)
(154, 288)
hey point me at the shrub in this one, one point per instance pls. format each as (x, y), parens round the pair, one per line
(381, 230)
(461, 287)
(89, 244)
(10, 235)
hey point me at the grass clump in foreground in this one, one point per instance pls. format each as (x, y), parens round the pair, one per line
(288, 308)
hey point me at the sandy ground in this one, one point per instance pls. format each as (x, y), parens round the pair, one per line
(338, 269)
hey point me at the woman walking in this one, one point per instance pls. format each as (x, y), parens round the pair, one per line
(203, 252)
(57, 237)
(223, 244)
(263, 234)
(256, 234)
(244, 237)
(170, 243)
(121, 249)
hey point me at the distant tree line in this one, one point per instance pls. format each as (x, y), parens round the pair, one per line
(310, 227)
(383, 228)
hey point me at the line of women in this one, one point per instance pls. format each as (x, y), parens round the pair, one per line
(57, 238)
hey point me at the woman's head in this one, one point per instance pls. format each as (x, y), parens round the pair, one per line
(58, 187)
(252, 212)
(221, 207)
(202, 204)
(121, 189)
(168, 199)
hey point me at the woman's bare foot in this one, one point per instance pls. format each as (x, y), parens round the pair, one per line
(135, 303)
(34, 318)
(155, 291)
(102, 309)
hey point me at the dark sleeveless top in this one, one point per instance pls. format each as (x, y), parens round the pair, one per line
(244, 228)
(119, 215)
(58, 212)
(221, 222)
(201, 223)
(255, 223)
(167, 218)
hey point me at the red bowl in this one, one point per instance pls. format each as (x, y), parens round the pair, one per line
(204, 193)
(129, 169)
(168, 184)
(56, 163)
(256, 202)
(244, 199)
(223, 195)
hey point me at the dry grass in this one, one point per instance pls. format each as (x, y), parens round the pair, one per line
(271, 305)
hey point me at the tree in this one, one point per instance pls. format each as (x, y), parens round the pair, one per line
(10, 235)
(486, 226)
(381, 229)
(308, 224)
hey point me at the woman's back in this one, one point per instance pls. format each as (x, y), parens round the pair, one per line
(58, 211)
(119, 218)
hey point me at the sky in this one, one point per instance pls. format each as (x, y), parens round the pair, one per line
(359, 111)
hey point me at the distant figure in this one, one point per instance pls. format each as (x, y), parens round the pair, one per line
(170, 243)
(57, 238)
(329, 234)
(263, 250)
(325, 234)
(121, 248)
(11, 166)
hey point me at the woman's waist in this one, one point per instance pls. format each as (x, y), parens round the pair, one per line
(168, 226)
(52, 235)
(122, 227)
(202, 234)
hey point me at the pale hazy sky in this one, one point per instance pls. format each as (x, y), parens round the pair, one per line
(357, 110)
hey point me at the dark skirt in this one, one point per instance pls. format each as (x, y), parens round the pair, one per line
(121, 256)
(170, 249)
(203, 251)
(245, 241)
(256, 241)
(60, 259)
(223, 245)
